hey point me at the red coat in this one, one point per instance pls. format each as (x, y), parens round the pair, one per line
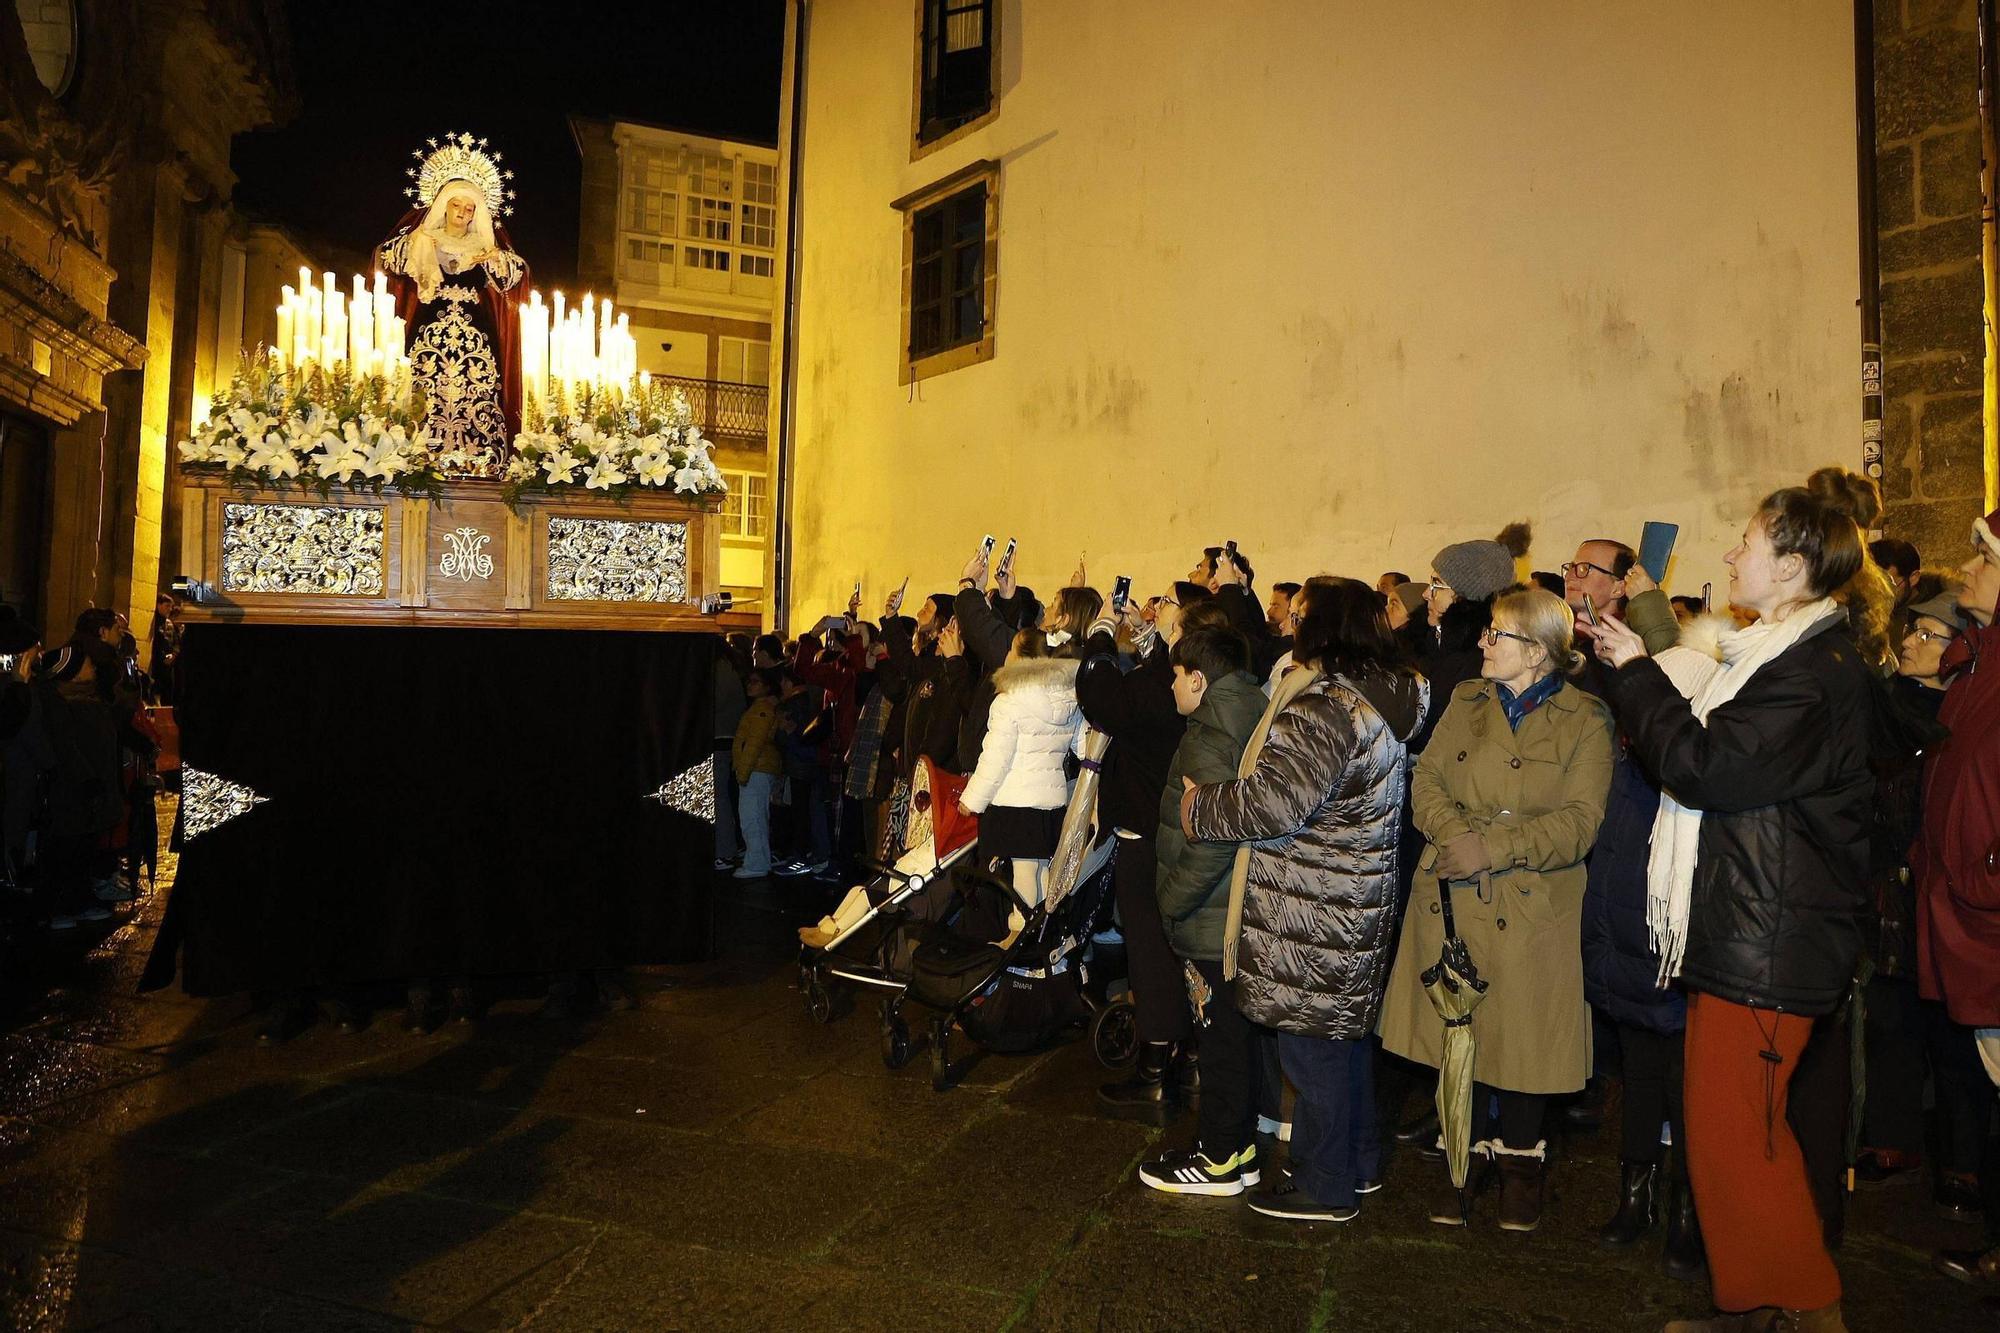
(1956, 858)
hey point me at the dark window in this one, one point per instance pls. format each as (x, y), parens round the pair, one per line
(958, 65)
(948, 273)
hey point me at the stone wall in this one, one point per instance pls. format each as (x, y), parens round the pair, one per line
(1927, 149)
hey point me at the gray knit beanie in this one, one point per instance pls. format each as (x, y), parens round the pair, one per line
(1475, 570)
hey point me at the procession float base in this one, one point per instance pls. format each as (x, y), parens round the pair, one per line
(370, 803)
(572, 560)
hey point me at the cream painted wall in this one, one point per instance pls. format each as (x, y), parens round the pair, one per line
(1343, 281)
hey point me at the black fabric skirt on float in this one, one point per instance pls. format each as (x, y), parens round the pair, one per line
(1019, 830)
(439, 802)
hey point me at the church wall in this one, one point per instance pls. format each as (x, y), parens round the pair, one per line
(1345, 282)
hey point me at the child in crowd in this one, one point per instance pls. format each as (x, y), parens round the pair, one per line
(754, 757)
(1215, 691)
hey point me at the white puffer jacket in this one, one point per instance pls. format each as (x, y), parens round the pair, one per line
(1034, 723)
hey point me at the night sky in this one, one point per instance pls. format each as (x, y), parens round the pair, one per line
(378, 77)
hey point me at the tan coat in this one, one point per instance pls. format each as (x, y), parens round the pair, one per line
(1537, 796)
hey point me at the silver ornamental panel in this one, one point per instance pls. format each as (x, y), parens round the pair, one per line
(320, 549)
(208, 801)
(613, 560)
(692, 791)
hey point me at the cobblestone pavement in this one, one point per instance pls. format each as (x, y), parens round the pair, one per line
(716, 1160)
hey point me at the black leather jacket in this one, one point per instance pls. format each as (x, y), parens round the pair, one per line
(1781, 775)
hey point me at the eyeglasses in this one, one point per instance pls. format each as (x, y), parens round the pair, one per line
(1168, 601)
(1436, 586)
(1493, 635)
(1934, 636)
(1577, 569)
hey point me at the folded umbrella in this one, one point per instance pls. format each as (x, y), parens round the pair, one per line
(1456, 988)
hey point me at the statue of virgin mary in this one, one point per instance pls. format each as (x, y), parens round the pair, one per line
(457, 282)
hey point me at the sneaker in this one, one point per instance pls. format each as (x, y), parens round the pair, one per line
(723, 863)
(116, 889)
(94, 914)
(746, 872)
(1192, 1172)
(1292, 1204)
(800, 869)
(1958, 1198)
(64, 922)
(1367, 1186)
(788, 869)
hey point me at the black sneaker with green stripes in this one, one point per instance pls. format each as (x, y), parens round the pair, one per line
(1194, 1172)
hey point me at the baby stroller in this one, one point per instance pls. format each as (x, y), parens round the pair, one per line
(878, 927)
(1018, 993)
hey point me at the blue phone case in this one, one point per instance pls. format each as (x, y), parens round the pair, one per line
(1656, 548)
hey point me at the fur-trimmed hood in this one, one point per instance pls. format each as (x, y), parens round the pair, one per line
(1051, 677)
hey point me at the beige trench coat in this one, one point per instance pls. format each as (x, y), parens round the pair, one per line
(1537, 797)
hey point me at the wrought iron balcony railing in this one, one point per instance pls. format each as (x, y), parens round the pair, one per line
(723, 407)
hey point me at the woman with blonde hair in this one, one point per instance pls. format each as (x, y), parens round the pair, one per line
(1508, 794)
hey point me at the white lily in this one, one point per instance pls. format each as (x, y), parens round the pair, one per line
(384, 459)
(604, 474)
(654, 468)
(561, 466)
(272, 455)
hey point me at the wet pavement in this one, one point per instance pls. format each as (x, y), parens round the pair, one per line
(717, 1160)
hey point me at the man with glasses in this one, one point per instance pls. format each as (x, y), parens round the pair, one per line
(1598, 572)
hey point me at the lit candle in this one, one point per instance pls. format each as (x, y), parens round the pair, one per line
(282, 343)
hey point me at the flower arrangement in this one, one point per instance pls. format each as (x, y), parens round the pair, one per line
(316, 429)
(645, 437)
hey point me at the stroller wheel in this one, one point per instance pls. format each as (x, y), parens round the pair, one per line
(819, 998)
(896, 1047)
(941, 1073)
(1114, 1034)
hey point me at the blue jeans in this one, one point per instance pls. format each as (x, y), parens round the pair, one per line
(727, 843)
(1336, 1142)
(753, 806)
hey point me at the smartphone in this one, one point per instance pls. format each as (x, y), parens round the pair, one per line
(857, 592)
(1121, 592)
(1231, 548)
(1590, 608)
(1656, 549)
(986, 546)
(900, 591)
(8, 661)
(1007, 559)
(1704, 595)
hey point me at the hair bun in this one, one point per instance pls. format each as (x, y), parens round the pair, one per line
(1848, 493)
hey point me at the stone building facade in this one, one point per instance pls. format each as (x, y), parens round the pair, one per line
(1927, 159)
(114, 214)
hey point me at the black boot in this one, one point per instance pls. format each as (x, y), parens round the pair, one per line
(1421, 1132)
(1147, 1089)
(1188, 1068)
(1637, 1206)
(1684, 1257)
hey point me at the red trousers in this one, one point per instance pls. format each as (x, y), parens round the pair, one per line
(1758, 1221)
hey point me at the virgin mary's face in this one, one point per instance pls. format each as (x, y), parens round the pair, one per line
(458, 212)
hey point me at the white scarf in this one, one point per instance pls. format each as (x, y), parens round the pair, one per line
(1707, 685)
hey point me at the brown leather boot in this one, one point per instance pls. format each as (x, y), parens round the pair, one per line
(1520, 1185)
(1453, 1207)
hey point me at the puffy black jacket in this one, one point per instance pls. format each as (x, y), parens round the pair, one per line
(1907, 728)
(1320, 810)
(1619, 965)
(1136, 710)
(1781, 775)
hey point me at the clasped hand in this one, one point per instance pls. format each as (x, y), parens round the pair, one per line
(1462, 857)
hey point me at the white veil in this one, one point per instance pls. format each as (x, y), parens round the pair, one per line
(433, 252)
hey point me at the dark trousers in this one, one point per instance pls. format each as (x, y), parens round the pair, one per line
(1159, 986)
(1514, 1118)
(1336, 1139)
(1822, 1088)
(1232, 1069)
(1654, 1069)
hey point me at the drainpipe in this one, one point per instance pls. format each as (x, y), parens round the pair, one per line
(780, 598)
(1871, 276)
(1989, 242)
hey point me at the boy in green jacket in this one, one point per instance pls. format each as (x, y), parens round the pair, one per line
(1221, 700)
